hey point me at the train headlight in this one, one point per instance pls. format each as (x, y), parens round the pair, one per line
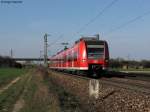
(106, 60)
(83, 60)
(104, 68)
(84, 54)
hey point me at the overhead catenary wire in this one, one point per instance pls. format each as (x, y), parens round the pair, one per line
(97, 16)
(51, 45)
(54, 42)
(89, 22)
(132, 20)
(127, 23)
(94, 18)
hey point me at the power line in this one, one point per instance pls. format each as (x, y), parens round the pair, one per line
(52, 44)
(90, 21)
(98, 15)
(60, 37)
(127, 23)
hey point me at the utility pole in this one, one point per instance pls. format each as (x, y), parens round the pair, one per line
(45, 49)
(40, 56)
(97, 36)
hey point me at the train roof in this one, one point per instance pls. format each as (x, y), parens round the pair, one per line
(88, 40)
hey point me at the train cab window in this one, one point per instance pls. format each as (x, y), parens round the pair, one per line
(95, 51)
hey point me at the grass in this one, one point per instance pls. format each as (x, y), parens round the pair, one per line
(34, 93)
(39, 93)
(9, 97)
(8, 74)
(67, 101)
(28, 95)
(43, 94)
(37, 97)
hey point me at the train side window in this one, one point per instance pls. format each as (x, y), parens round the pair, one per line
(64, 58)
(75, 56)
(68, 57)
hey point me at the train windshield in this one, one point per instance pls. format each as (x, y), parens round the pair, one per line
(95, 51)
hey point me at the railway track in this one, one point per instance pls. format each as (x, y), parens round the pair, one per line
(134, 85)
(133, 76)
(124, 82)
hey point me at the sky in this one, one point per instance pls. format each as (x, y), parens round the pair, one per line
(125, 25)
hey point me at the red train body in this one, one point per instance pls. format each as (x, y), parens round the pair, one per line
(87, 54)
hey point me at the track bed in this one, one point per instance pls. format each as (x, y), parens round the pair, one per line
(115, 93)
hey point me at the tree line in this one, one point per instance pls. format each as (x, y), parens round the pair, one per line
(120, 63)
(6, 61)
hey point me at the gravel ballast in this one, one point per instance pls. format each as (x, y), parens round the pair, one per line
(110, 98)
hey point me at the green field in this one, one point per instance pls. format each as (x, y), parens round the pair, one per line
(8, 74)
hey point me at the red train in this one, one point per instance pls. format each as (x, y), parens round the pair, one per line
(90, 55)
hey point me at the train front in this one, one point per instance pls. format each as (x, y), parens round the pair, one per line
(97, 56)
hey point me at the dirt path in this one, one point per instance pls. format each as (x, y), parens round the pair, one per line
(19, 105)
(10, 84)
(21, 102)
(36, 96)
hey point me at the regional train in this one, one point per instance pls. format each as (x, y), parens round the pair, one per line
(88, 54)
